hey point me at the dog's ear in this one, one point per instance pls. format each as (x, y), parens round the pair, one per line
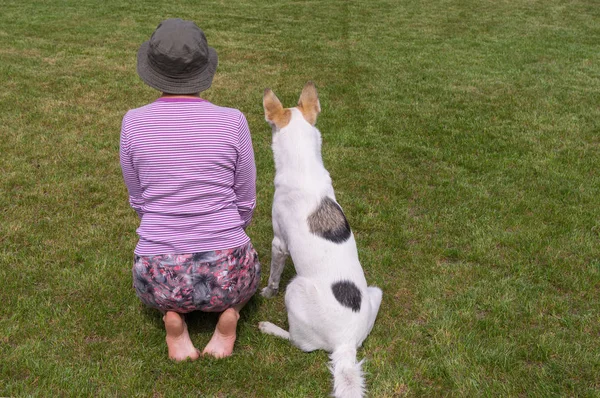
(274, 112)
(309, 103)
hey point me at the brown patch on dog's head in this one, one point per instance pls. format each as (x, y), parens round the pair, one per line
(274, 111)
(309, 103)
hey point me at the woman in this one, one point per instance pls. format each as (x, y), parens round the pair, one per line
(189, 169)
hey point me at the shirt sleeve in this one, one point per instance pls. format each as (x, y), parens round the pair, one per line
(245, 174)
(130, 175)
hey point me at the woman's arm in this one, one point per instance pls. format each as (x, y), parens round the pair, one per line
(130, 176)
(245, 174)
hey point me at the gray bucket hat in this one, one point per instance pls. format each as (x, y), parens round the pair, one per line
(177, 58)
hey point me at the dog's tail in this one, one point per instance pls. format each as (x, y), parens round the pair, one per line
(348, 379)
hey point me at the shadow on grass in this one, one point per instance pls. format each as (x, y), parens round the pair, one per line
(201, 322)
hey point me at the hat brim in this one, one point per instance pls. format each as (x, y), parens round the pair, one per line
(191, 84)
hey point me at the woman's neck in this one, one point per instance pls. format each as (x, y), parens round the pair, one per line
(166, 95)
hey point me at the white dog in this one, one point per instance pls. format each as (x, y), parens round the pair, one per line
(329, 304)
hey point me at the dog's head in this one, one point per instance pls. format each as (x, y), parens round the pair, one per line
(294, 131)
(279, 117)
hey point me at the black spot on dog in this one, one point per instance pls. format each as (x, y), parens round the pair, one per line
(347, 294)
(329, 222)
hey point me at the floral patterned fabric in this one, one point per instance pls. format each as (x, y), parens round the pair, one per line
(208, 281)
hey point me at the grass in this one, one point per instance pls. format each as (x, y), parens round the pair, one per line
(463, 140)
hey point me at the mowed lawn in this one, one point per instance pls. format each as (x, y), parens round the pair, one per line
(463, 139)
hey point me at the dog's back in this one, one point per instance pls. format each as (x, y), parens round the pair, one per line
(304, 204)
(329, 304)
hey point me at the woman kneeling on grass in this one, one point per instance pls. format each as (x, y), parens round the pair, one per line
(190, 173)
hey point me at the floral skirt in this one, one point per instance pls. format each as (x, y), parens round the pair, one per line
(208, 281)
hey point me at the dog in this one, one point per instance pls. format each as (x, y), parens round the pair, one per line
(329, 304)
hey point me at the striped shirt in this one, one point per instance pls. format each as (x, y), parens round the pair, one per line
(190, 173)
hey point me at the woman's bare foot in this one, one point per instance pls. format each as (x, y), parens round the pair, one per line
(223, 339)
(178, 339)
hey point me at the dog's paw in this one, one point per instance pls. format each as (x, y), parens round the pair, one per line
(264, 326)
(268, 292)
(270, 328)
(267, 327)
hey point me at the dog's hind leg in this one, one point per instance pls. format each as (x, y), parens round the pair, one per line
(307, 319)
(270, 328)
(299, 297)
(279, 254)
(375, 295)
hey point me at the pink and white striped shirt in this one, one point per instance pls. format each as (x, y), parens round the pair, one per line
(190, 173)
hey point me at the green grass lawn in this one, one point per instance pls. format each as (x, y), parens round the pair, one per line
(463, 139)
